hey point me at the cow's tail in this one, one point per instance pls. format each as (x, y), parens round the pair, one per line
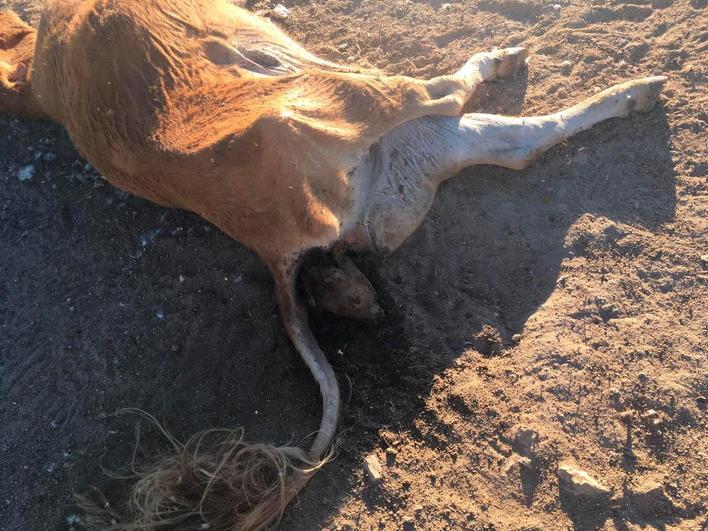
(218, 481)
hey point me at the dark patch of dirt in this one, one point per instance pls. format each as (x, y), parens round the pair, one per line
(596, 255)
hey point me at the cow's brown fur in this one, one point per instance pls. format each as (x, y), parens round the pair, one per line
(17, 41)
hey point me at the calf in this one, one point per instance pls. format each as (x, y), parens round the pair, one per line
(200, 105)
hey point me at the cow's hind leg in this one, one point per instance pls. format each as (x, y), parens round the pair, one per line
(409, 163)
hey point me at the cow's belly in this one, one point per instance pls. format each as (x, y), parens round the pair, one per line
(400, 175)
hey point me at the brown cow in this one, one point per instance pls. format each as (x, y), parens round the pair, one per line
(200, 105)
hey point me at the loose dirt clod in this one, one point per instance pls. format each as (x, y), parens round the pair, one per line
(525, 439)
(280, 12)
(649, 498)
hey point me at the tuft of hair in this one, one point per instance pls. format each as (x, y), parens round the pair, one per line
(214, 481)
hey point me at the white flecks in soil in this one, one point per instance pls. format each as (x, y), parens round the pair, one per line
(26, 173)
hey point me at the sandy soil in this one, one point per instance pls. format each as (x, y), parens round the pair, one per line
(549, 316)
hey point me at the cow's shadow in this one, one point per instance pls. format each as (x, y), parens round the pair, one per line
(189, 328)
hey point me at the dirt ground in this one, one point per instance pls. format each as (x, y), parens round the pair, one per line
(555, 315)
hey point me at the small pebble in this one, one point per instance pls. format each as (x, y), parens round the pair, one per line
(615, 397)
(580, 483)
(26, 173)
(280, 12)
(516, 338)
(372, 467)
(391, 454)
(408, 523)
(566, 67)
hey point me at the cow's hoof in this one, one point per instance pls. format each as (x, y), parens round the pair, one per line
(642, 94)
(508, 61)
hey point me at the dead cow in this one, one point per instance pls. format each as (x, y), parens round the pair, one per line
(200, 105)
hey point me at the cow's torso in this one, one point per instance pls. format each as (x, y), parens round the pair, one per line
(203, 106)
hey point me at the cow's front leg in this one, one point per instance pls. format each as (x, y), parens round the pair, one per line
(486, 66)
(497, 64)
(407, 165)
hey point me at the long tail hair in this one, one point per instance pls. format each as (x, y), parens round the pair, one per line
(217, 480)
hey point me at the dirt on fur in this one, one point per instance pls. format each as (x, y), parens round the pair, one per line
(541, 318)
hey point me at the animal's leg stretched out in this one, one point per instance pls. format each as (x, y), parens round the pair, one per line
(410, 162)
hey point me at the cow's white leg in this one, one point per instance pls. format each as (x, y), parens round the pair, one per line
(488, 66)
(516, 142)
(407, 165)
(481, 67)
